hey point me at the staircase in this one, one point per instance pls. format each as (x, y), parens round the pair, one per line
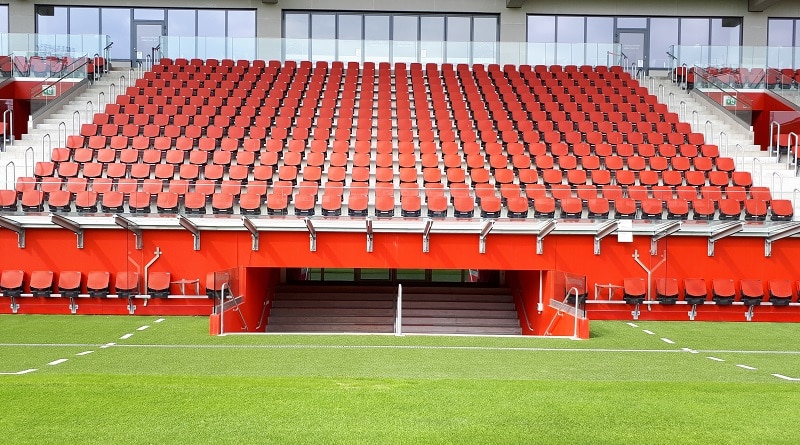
(705, 119)
(91, 101)
(370, 309)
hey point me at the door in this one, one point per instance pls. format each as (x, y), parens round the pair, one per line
(634, 45)
(146, 37)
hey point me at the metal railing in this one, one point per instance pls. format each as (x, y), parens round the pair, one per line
(398, 320)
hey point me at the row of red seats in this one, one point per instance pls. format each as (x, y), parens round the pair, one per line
(43, 283)
(779, 292)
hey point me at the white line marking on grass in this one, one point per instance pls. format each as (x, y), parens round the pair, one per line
(126, 336)
(648, 332)
(57, 362)
(715, 359)
(791, 379)
(668, 341)
(749, 368)
(633, 325)
(84, 353)
(142, 328)
(107, 345)
(459, 348)
(27, 371)
(159, 320)
(689, 350)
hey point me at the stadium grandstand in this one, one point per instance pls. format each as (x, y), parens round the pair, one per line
(473, 167)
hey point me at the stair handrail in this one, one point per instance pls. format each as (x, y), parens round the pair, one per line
(682, 110)
(695, 123)
(74, 130)
(727, 142)
(112, 90)
(33, 160)
(101, 99)
(575, 315)
(794, 197)
(107, 56)
(12, 175)
(58, 132)
(796, 138)
(774, 135)
(222, 288)
(708, 132)
(671, 100)
(49, 144)
(780, 182)
(737, 149)
(8, 123)
(89, 114)
(757, 162)
(398, 318)
(660, 92)
(518, 297)
(95, 71)
(684, 84)
(123, 83)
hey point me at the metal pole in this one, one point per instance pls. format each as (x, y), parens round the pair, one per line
(398, 322)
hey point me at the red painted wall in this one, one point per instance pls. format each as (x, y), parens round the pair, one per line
(20, 93)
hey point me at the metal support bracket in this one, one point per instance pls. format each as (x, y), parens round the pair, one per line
(662, 232)
(784, 231)
(545, 230)
(253, 231)
(69, 225)
(131, 306)
(16, 227)
(131, 226)
(693, 312)
(487, 227)
(312, 233)
(73, 306)
(606, 229)
(187, 224)
(14, 305)
(369, 235)
(749, 314)
(635, 312)
(426, 236)
(725, 231)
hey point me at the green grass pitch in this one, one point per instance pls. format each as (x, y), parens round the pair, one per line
(170, 382)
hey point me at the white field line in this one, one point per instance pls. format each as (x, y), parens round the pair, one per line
(715, 359)
(126, 336)
(667, 341)
(26, 371)
(57, 362)
(633, 325)
(159, 320)
(749, 368)
(648, 332)
(142, 328)
(406, 347)
(107, 345)
(791, 379)
(689, 350)
(84, 353)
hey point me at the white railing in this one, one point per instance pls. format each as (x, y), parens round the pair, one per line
(398, 320)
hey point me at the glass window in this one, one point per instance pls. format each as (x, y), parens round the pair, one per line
(241, 30)
(541, 29)
(410, 274)
(241, 23)
(376, 36)
(458, 39)
(211, 26)
(446, 276)
(295, 31)
(779, 32)
(338, 274)
(116, 23)
(351, 32)
(374, 274)
(600, 30)
(631, 22)
(726, 32)
(148, 14)
(663, 35)
(51, 20)
(694, 32)
(323, 35)
(181, 23)
(295, 26)
(431, 31)
(84, 20)
(404, 39)
(570, 30)
(541, 40)
(3, 18)
(484, 36)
